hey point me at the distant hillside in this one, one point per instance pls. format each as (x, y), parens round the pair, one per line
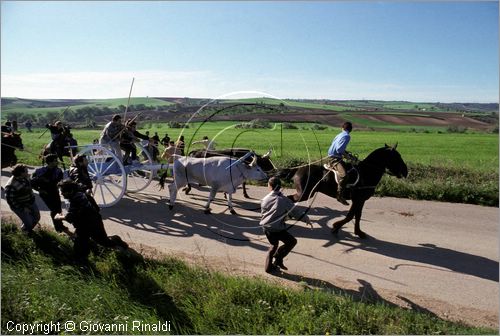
(365, 113)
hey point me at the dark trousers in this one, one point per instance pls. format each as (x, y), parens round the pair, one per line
(93, 229)
(53, 202)
(130, 151)
(280, 253)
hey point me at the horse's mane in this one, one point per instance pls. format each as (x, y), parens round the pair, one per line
(376, 154)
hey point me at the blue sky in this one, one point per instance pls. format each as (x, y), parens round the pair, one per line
(416, 51)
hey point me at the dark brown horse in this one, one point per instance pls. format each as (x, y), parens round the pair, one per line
(10, 142)
(314, 178)
(60, 146)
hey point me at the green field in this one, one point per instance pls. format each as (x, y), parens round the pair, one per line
(452, 167)
(478, 152)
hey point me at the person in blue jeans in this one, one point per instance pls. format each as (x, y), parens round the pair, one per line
(336, 153)
(21, 199)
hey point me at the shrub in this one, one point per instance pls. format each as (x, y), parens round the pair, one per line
(288, 125)
(176, 124)
(256, 123)
(456, 129)
(318, 127)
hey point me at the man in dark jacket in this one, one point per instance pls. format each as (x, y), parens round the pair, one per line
(20, 198)
(56, 129)
(127, 142)
(85, 216)
(79, 173)
(45, 180)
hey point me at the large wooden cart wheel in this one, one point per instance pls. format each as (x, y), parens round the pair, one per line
(107, 173)
(140, 175)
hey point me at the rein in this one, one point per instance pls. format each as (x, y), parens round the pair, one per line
(307, 164)
(19, 149)
(288, 227)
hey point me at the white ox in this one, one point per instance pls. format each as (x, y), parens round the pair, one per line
(220, 173)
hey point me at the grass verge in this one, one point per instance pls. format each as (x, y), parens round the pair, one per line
(446, 184)
(41, 283)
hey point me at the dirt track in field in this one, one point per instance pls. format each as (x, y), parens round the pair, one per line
(441, 258)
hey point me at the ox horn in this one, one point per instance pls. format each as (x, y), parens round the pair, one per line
(244, 157)
(254, 160)
(268, 154)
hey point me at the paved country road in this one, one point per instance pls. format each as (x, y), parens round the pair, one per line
(429, 256)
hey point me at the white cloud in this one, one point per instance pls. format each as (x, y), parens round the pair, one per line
(75, 85)
(206, 84)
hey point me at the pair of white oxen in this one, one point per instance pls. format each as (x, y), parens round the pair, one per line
(219, 173)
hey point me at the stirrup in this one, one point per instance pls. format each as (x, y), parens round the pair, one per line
(328, 167)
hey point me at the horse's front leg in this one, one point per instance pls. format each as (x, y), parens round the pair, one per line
(350, 215)
(357, 215)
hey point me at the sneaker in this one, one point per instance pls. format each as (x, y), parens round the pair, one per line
(279, 263)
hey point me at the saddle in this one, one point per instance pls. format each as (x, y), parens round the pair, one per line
(352, 174)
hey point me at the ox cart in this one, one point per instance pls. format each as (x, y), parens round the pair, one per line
(112, 179)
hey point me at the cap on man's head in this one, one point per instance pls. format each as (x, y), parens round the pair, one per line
(117, 117)
(58, 123)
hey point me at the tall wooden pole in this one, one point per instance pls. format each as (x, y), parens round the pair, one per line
(128, 101)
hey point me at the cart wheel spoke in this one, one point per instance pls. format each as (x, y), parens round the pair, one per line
(108, 174)
(139, 177)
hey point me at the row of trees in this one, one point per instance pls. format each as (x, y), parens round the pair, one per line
(85, 114)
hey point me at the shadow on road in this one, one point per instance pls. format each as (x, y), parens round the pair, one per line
(187, 219)
(430, 254)
(365, 293)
